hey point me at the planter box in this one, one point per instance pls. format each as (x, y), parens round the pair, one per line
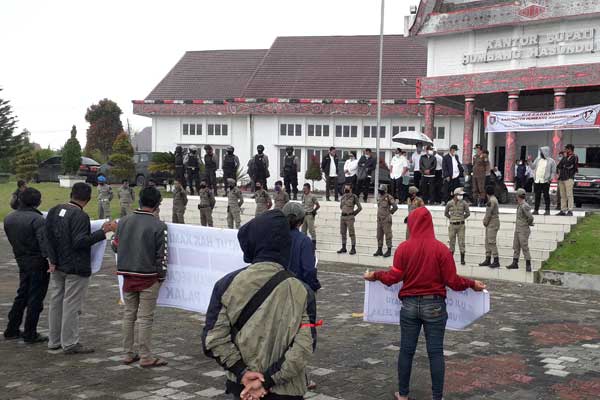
(68, 181)
(4, 177)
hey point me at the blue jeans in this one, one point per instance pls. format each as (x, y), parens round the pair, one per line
(429, 312)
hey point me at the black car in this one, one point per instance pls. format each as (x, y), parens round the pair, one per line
(50, 169)
(142, 173)
(586, 188)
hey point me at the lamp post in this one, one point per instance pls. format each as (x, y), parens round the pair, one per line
(379, 83)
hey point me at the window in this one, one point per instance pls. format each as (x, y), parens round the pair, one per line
(318, 130)
(440, 132)
(290, 129)
(297, 153)
(370, 131)
(403, 128)
(346, 131)
(192, 129)
(217, 129)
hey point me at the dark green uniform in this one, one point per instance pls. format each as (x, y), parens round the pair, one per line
(263, 202)
(180, 201)
(350, 206)
(126, 199)
(105, 196)
(207, 203)
(234, 203)
(280, 198)
(522, 231)
(309, 201)
(491, 222)
(457, 211)
(386, 206)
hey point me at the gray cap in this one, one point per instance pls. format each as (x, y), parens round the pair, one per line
(521, 192)
(295, 209)
(413, 190)
(231, 181)
(458, 191)
(383, 187)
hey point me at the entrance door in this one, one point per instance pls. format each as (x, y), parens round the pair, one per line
(500, 158)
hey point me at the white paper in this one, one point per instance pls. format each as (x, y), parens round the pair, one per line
(382, 305)
(98, 249)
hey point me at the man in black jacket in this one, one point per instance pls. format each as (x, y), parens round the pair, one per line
(69, 251)
(452, 171)
(427, 165)
(331, 169)
(366, 167)
(14, 198)
(26, 234)
(210, 165)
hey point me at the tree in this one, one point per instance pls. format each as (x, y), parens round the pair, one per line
(122, 157)
(25, 162)
(44, 154)
(105, 126)
(71, 154)
(313, 172)
(163, 162)
(9, 142)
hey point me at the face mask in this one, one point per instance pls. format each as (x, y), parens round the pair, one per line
(290, 153)
(430, 152)
(397, 154)
(460, 197)
(202, 186)
(230, 152)
(260, 151)
(277, 188)
(258, 187)
(346, 190)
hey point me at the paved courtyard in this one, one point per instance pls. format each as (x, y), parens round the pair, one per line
(538, 342)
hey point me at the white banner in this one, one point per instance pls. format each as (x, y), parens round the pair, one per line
(98, 249)
(526, 121)
(382, 305)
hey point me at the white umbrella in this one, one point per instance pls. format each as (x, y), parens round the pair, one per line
(412, 138)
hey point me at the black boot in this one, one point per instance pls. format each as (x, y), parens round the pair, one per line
(487, 262)
(547, 211)
(353, 250)
(379, 252)
(462, 259)
(388, 253)
(295, 196)
(536, 212)
(528, 265)
(514, 265)
(496, 263)
(343, 249)
(314, 245)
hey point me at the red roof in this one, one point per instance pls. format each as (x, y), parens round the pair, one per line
(330, 67)
(217, 74)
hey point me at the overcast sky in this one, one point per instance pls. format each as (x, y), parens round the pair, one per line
(59, 57)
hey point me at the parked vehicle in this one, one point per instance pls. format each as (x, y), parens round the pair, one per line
(587, 186)
(142, 173)
(50, 169)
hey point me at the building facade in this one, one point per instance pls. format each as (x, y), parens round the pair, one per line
(499, 55)
(307, 92)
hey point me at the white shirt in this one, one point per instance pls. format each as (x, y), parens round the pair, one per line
(397, 166)
(439, 160)
(350, 168)
(332, 167)
(455, 170)
(416, 157)
(540, 171)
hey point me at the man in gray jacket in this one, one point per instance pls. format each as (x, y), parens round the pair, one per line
(141, 246)
(544, 168)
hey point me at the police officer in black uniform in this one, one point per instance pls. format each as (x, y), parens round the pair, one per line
(210, 168)
(192, 163)
(179, 167)
(260, 167)
(289, 172)
(231, 163)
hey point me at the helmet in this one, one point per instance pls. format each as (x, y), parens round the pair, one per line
(230, 149)
(230, 181)
(289, 149)
(178, 149)
(207, 147)
(101, 179)
(193, 148)
(260, 147)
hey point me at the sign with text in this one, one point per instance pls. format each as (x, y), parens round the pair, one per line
(382, 305)
(98, 249)
(525, 121)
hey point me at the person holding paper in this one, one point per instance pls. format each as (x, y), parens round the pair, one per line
(261, 321)
(426, 267)
(141, 246)
(70, 241)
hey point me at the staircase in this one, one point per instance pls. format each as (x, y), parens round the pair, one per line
(547, 233)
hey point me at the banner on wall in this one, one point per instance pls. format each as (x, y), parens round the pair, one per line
(526, 121)
(382, 305)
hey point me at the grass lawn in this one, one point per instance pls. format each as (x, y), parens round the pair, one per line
(580, 251)
(52, 195)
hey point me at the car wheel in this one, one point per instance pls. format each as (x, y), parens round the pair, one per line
(140, 180)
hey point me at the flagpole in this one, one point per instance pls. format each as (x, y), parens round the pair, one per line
(379, 84)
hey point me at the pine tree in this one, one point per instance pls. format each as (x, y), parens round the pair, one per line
(122, 157)
(105, 126)
(71, 154)
(25, 161)
(9, 142)
(313, 172)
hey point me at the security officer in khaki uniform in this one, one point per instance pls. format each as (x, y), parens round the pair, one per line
(413, 203)
(105, 196)
(281, 197)
(522, 231)
(263, 200)
(235, 199)
(457, 211)
(126, 198)
(386, 207)
(207, 204)
(491, 222)
(180, 201)
(350, 206)
(311, 206)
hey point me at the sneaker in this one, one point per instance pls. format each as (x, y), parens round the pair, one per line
(12, 335)
(78, 349)
(569, 213)
(37, 339)
(536, 212)
(561, 214)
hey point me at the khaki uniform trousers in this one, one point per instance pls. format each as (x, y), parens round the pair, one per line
(139, 306)
(125, 209)
(491, 234)
(566, 195)
(103, 209)
(347, 226)
(309, 226)
(178, 214)
(233, 214)
(454, 232)
(521, 243)
(384, 228)
(206, 218)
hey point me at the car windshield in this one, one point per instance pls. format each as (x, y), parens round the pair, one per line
(88, 161)
(589, 171)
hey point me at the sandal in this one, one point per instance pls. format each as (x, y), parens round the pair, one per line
(156, 362)
(131, 359)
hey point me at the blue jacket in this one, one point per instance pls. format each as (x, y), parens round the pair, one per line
(302, 259)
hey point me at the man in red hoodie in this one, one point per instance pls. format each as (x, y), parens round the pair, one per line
(425, 266)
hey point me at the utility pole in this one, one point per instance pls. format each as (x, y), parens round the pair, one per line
(379, 84)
